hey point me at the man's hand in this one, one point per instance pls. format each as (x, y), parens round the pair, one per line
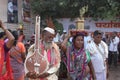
(32, 75)
(44, 75)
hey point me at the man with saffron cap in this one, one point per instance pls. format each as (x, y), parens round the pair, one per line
(53, 58)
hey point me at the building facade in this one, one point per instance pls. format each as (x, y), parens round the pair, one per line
(13, 15)
(23, 17)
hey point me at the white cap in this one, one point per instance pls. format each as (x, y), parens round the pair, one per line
(64, 31)
(51, 30)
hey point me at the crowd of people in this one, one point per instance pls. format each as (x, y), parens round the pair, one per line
(84, 56)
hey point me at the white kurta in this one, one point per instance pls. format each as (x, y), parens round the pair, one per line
(114, 44)
(98, 56)
(53, 70)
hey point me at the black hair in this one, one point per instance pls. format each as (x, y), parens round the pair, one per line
(97, 32)
(15, 34)
(78, 34)
(2, 34)
(115, 32)
(21, 30)
(44, 32)
(9, 30)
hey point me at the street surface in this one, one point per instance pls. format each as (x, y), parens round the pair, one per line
(114, 73)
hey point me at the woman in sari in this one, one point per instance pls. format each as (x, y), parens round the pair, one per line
(78, 61)
(17, 57)
(5, 69)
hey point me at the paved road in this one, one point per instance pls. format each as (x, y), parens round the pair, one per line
(114, 73)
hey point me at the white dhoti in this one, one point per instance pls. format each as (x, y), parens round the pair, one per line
(101, 75)
(99, 53)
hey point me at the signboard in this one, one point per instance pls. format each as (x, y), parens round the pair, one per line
(108, 24)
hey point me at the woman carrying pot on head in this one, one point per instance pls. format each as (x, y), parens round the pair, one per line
(78, 60)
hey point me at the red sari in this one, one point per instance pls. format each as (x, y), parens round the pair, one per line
(3, 55)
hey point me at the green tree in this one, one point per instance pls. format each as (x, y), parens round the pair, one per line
(104, 9)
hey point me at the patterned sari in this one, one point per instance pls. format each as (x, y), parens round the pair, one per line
(76, 63)
(17, 61)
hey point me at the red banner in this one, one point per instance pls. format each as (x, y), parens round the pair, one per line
(108, 24)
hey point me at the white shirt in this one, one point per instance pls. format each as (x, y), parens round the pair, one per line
(98, 55)
(87, 39)
(114, 44)
(57, 38)
(62, 37)
(10, 7)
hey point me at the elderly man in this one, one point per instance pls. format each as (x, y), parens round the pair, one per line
(99, 55)
(54, 59)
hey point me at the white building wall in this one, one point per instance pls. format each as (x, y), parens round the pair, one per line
(93, 27)
(28, 27)
(3, 10)
(3, 14)
(66, 22)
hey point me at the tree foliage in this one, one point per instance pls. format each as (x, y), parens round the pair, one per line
(57, 8)
(104, 9)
